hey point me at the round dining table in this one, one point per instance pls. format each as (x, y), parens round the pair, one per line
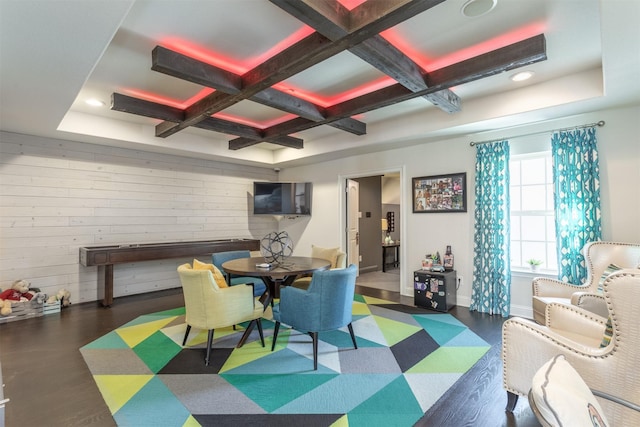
(273, 275)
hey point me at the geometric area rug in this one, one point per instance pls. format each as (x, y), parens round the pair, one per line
(407, 358)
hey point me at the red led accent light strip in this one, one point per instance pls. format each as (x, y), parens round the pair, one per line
(327, 101)
(164, 100)
(234, 65)
(240, 67)
(430, 64)
(351, 4)
(148, 96)
(260, 125)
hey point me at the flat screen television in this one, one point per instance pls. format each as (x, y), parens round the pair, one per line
(282, 198)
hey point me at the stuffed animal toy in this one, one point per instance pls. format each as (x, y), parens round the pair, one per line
(19, 291)
(38, 296)
(65, 297)
(5, 308)
(62, 295)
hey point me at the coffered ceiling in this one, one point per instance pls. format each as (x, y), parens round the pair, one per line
(284, 82)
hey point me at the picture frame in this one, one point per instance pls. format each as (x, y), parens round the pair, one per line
(439, 193)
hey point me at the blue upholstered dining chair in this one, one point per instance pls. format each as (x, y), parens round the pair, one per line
(326, 305)
(220, 258)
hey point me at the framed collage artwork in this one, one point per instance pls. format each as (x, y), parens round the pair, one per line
(440, 193)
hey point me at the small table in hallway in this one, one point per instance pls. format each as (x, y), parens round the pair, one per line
(396, 255)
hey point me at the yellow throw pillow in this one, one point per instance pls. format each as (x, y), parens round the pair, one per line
(330, 254)
(217, 274)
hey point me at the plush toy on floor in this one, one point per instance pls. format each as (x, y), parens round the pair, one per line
(18, 292)
(5, 308)
(65, 297)
(62, 295)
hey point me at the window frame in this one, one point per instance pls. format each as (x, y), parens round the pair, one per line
(549, 255)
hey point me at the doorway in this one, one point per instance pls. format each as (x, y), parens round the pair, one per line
(378, 215)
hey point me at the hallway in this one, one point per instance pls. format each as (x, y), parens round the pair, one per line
(389, 281)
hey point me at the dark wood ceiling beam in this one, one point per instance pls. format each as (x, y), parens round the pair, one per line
(363, 15)
(175, 64)
(351, 125)
(140, 107)
(286, 128)
(517, 55)
(291, 104)
(391, 61)
(239, 143)
(288, 103)
(331, 19)
(251, 133)
(370, 19)
(283, 140)
(184, 67)
(231, 128)
(297, 123)
(366, 15)
(303, 50)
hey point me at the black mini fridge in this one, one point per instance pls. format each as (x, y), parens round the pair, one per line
(433, 290)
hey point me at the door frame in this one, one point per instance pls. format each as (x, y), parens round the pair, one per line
(403, 287)
(350, 184)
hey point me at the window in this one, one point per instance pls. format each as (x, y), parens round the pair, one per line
(532, 214)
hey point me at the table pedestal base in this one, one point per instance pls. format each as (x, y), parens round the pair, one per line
(266, 299)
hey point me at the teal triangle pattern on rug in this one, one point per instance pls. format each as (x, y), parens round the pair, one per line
(384, 401)
(407, 358)
(153, 405)
(110, 340)
(271, 392)
(440, 330)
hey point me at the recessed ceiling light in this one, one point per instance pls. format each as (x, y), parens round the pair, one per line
(475, 8)
(522, 76)
(95, 102)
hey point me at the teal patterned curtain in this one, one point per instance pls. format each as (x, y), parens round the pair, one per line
(576, 180)
(491, 292)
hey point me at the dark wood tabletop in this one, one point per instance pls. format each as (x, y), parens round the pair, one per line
(275, 276)
(291, 266)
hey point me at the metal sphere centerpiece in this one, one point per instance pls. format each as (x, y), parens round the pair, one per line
(276, 246)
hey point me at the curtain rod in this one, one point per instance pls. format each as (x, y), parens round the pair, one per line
(599, 124)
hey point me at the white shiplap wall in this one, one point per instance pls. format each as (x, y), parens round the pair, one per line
(57, 196)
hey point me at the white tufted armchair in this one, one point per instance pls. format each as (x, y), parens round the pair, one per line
(577, 334)
(598, 256)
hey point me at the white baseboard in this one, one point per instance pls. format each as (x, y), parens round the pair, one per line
(516, 310)
(522, 311)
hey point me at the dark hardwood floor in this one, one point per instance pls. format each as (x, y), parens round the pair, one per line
(48, 383)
